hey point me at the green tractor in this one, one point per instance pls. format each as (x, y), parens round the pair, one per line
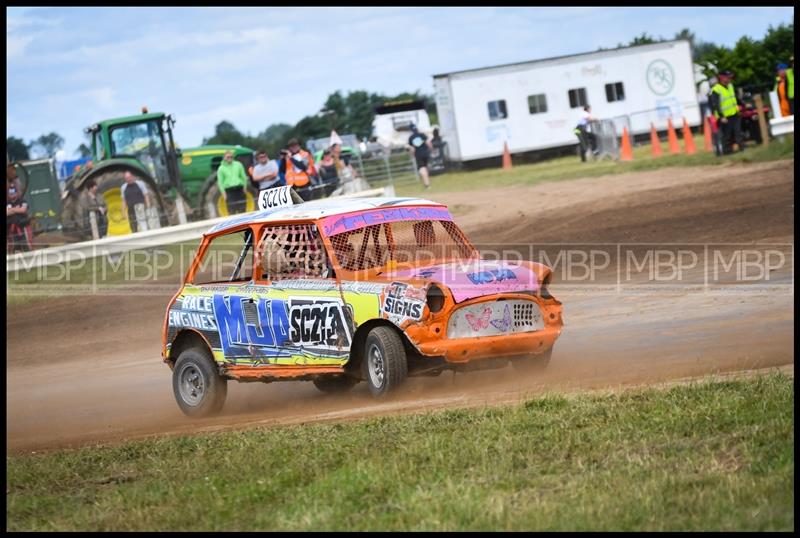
(143, 145)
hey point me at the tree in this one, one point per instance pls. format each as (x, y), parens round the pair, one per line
(226, 133)
(46, 145)
(16, 149)
(83, 150)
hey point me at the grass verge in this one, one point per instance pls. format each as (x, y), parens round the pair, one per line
(707, 456)
(565, 168)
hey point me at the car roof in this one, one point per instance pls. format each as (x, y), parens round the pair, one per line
(317, 210)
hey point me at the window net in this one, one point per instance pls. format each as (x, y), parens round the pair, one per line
(293, 251)
(415, 242)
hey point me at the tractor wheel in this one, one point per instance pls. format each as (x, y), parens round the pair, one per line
(213, 204)
(109, 185)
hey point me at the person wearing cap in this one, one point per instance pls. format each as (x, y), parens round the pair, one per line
(726, 110)
(298, 166)
(419, 144)
(784, 86)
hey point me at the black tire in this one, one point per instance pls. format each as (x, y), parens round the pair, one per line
(384, 362)
(533, 363)
(199, 389)
(335, 385)
(73, 210)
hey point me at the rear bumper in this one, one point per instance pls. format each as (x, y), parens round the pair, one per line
(462, 350)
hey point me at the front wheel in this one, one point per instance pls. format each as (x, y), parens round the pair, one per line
(533, 363)
(384, 361)
(199, 389)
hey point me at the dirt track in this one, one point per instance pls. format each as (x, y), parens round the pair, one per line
(89, 371)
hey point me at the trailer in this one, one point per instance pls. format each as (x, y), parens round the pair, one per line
(535, 105)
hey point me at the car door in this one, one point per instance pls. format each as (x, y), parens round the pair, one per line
(310, 322)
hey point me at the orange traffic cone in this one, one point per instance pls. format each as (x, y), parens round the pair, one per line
(707, 134)
(655, 143)
(672, 138)
(506, 157)
(688, 139)
(626, 151)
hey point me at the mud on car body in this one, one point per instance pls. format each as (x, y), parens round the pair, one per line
(339, 292)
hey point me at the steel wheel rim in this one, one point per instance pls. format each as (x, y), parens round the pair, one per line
(191, 385)
(375, 364)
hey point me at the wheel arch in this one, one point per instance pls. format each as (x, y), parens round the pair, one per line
(353, 366)
(185, 339)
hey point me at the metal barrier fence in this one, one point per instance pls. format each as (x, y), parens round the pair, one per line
(387, 169)
(606, 139)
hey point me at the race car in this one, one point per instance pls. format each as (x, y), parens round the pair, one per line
(343, 291)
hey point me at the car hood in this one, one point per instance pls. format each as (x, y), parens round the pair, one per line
(476, 279)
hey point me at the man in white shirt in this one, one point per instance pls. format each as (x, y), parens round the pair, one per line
(265, 172)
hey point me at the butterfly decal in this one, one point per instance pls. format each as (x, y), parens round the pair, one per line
(479, 322)
(503, 325)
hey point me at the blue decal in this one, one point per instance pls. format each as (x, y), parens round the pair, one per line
(280, 323)
(260, 334)
(230, 319)
(493, 275)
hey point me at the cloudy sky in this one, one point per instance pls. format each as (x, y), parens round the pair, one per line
(69, 67)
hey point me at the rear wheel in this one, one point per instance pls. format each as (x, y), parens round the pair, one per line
(533, 363)
(384, 361)
(199, 389)
(333, 385)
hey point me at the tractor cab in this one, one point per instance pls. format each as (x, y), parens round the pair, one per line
(146, 138)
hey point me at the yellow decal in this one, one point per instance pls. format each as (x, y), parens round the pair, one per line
(187, 160)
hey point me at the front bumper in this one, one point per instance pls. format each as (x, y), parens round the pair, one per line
(461, 350)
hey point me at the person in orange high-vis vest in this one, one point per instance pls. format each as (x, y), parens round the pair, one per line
(298, 166)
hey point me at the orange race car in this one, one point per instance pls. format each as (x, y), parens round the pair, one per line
(348, 290)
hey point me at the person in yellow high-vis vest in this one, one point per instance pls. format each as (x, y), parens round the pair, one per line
(784, 86)
(726, 110)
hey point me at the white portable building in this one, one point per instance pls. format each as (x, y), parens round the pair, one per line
(536, 105)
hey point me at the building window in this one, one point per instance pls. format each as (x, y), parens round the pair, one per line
(577, 98)
(615, 92)
(497, 110)
(537, 103)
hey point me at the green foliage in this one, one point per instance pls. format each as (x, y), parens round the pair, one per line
(346, 114)
(752, 61)
(46, 145)
(83, 150)
(17, 149)
(716, 456)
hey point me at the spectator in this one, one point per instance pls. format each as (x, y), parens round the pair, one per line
(97, 205)
(419, 144)
(586, 137)
(723, 103)
(134, 192)
(265, 172)
(784, 86)
(232, 181)
(328, 173)
(298, 165)
(18, 222)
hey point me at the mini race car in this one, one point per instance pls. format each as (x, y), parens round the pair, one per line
(343, 291)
